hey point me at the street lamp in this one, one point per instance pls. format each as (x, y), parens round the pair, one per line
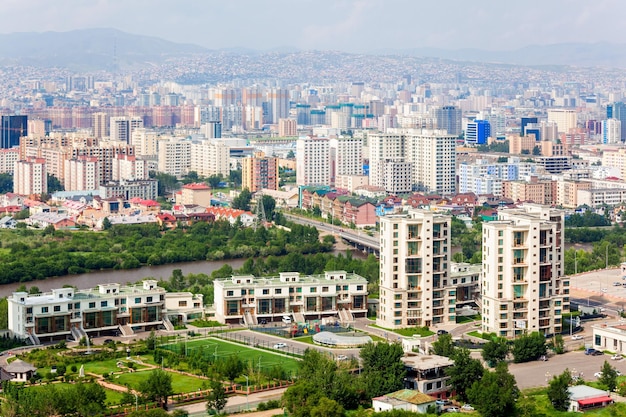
(575, 262)
(247, 391)
(136, 401)
(607, 257)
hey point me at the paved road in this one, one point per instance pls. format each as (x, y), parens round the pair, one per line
(239, 403)
(538, 373)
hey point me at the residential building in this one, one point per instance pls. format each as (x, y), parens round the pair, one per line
(618, 111)
(350, 182)
(427, 374)
(129, 167)
(312, 161)
(105, 153)
(433, 154)
(122, 127)
(30, 176)
(82, 173)
(249, 299)
(597, 197)
(406, 399)
(196, 193)
(210, 157)
(127, 189)
(101, 125)
(449, 119)
(175, 156)
(565, 119)
(287, 127)
(278, 100)
(534, 190)
(385, 148)
(415, 285)
(611, 131)
(567, 192)
(8, 158)
(523, 288)
(66, 312)
(346, 157)
(259, 173)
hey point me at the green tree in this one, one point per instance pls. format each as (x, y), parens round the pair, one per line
(529, 347)
(494, 395)
(608, 377)
(291, 154)
(106, 223)
(151, 341)
(232, 367)
(383, 370)
(54, 184)
(158, 387)
(6, 183)
(444, 346)
(536, 151)
(235, 178)
(214, 181)
(464, 372)
(558, 393)
(269, 205)
(242, 201)
(216, 399)
(495, 351)
(327, 408)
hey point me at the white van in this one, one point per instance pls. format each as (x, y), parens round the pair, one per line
(287, 319)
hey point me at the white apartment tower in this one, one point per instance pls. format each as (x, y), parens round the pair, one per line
(523, 288)
(346, 157)
(430, 153)
(415, 284)
(433, 154)
(210, 157)
(611, 131)
(145, 141)
(384, 148)
(129, 167)
(312, 161)
(30, 177)
(175, 156)
(82, 173)
(101, 125)
(121, 128)
(565, 119)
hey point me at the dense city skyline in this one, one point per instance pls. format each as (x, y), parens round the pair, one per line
(352, 26)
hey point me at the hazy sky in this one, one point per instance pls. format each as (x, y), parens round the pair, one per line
(347, 25)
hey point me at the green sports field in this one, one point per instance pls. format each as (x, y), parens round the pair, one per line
(217, 349)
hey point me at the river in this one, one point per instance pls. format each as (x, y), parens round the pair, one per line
(123, 276)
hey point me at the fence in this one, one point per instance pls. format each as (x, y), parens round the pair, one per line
(262, 344)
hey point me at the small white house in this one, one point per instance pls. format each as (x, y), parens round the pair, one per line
(405, 399)
(20, 370)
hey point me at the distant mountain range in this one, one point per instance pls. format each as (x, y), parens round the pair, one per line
(107, 49)
(89, 49)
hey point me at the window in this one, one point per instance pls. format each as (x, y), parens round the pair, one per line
(104, 303)
(149, 300)
(313, 289)
(266, 291)
(57, 309)
(230, 293)
(44, 309)
(182, 304)
(324, 289)
(92, 304)
(138, 300)
(359, 288)
(29, 310)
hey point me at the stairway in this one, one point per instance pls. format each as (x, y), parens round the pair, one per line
(249, 319)
(299, 317)
(34, 340)
(76, 334)
(126, 330)
(168, 324)
(345, 316)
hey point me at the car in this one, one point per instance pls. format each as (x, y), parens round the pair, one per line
(280, 345)
(342, 358)
(617, 357)
(605, 289)
(440, 332)
(108, 341)
(590, 351)
(598, 374)
(617, 284)
(452, 410)
(467, 407)
(597, 353)
(577, 337)
(443, 402)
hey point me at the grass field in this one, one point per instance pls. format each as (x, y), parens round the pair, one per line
(112, 397)
(180, 383)
(219, 349)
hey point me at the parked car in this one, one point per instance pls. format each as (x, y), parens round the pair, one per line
(280, 345)
(467, 407)
(577, 337)
(590, 351)
(342, 358)
(599, 374)
(440, 332)
(452, 410)
(617, 284)
(617, 357)
(443, 402)
(597, 353)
